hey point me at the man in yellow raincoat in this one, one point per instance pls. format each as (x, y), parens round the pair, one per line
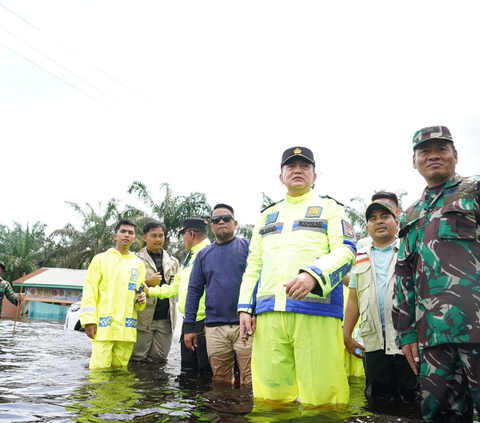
(301, 249)
(110, 300)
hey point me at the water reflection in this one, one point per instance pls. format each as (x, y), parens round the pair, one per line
(45, 379)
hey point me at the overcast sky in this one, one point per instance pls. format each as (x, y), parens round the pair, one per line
(207, 95)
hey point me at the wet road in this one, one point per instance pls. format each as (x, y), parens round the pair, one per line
(45, 378)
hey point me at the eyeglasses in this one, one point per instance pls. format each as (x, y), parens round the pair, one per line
(226, 218)
(187, 232)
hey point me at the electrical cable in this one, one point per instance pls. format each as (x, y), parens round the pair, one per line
(71, 51)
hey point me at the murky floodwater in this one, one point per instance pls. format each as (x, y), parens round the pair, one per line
(44, 378)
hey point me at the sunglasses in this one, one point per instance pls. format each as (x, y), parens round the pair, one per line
(226, 218)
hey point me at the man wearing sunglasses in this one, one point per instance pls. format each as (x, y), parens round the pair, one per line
(218, 272)
(302, 247)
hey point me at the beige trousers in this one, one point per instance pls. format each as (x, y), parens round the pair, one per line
(223, 343)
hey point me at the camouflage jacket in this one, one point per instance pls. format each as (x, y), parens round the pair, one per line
(437, 289)
(6, 289)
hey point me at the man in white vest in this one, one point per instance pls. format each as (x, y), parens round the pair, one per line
(389, 376)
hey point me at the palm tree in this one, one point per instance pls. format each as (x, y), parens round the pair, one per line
(172, 210)
(24, 250)
(76, 248)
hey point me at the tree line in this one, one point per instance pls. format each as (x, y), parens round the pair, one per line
(25, 249)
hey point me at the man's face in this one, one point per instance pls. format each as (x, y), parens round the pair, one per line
(188, 237)
(298, 176)
(435, 160)
(223, 231)
(125, 236)
(154, 240)
(382, 226)
(1, 271)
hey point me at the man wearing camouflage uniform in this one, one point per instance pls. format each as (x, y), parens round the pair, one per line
(6, 289)
(437, 292)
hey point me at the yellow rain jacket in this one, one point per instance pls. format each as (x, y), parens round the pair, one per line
(180, 284)
(109, 295)
(309, 234)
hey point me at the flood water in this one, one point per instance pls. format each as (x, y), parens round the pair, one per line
(44, 378)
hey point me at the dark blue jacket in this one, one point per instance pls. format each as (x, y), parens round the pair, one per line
(218, 270)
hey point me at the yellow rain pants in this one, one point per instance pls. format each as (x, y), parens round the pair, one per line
(110, 354)
(284, 346)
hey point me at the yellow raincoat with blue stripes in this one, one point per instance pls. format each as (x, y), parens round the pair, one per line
(109, 295)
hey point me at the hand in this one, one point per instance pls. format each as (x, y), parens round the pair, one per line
(247, 326)
(91, 330)
(410, 351)
(351, 345)
(20, 298)
(141, 298)
(154, 280)
(145, 289)
(300, 286)
(190, 340)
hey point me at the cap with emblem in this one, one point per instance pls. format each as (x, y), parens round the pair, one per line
(379, 204)
(194, 222)
(293, 152)
(2, 265)
(431, 133)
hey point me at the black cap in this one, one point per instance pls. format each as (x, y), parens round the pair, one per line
(2, 265)
(194, 222)
(303, 152)
(378, 204)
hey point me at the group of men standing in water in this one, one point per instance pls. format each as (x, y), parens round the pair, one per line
(417, 292)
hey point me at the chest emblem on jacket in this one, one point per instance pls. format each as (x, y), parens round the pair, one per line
(272, 217)
(134, 275)
(314, 211)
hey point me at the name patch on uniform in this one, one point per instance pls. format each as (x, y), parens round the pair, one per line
(134, 275)
(267, 230)
(132, 286)
(314, 211)
(348, 230)
(310, 224)
(272, 217)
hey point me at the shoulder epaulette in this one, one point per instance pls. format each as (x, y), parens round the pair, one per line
(331, 198)
(271, 205)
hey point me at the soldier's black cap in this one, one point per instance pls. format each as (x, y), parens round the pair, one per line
(431, 133)
(293, 152)
(2, 265)
(193, 222)
(379, 204)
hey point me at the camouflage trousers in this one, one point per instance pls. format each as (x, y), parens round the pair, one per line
(450, 382)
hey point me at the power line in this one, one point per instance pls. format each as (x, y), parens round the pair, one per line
(56, 76)
(63, 67)
(71, 51)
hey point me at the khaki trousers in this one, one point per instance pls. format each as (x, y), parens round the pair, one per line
(154, 345)
(223, 342)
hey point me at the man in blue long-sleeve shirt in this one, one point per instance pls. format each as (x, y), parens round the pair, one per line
(218, 271)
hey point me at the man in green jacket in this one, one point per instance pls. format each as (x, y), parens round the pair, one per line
(438, 281)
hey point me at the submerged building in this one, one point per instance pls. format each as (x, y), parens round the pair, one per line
(48, 293)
